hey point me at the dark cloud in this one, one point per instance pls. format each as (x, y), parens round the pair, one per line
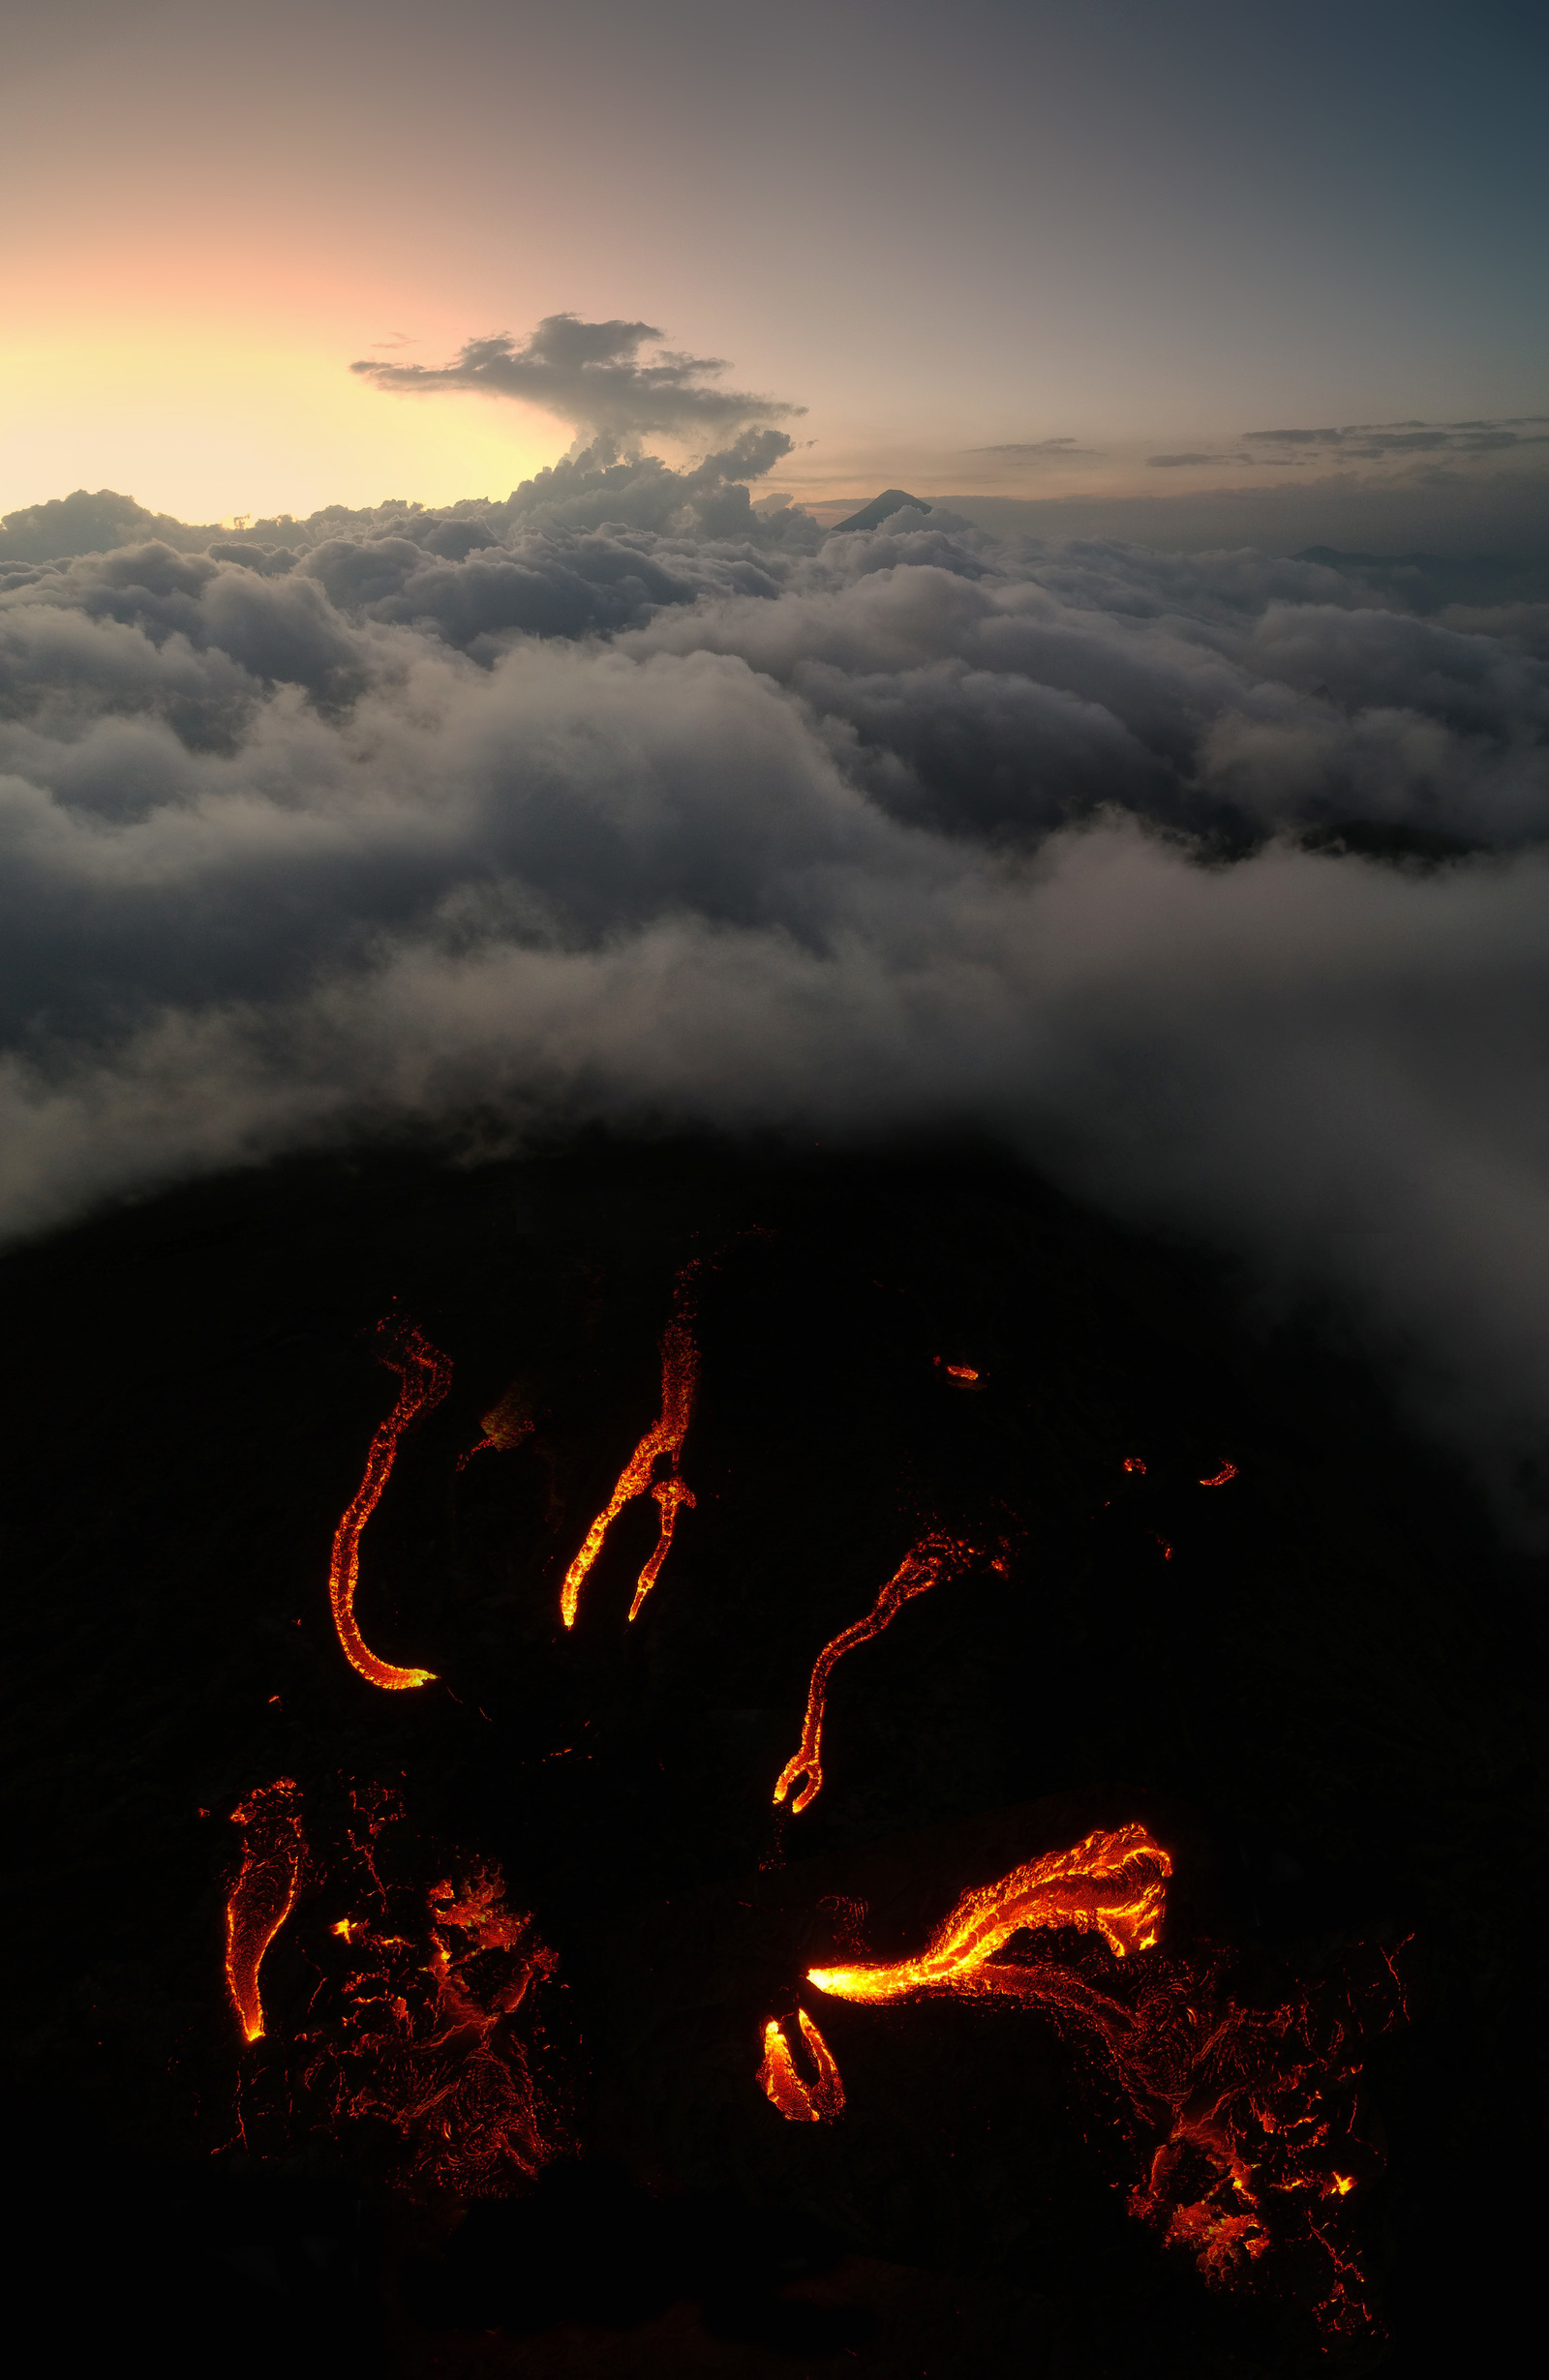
(1375, 441)
(1171, 463)
(615, 799)
(592, 373)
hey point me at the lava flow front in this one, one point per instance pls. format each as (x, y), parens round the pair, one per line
(264, 1893)
(662, 1442)
(936, 1557)
(426, 1375)
(1113, 1883)
(821, 2101)
(1247, 2121)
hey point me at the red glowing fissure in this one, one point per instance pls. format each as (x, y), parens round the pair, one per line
(662, 1442)
(936, 1557)
(264, 1893)
(426, 1375)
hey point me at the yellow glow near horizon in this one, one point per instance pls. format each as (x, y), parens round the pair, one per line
(217, 420)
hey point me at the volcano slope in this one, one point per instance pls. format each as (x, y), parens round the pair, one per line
(1316, 1682)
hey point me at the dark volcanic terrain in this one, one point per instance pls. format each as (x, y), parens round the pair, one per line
(1327, 1704)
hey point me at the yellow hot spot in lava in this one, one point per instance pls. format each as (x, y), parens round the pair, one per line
(935, 1557)
(426, 1374)
(344, 1927)
(798, 2101)
(1111, 1883)
(1132, 1462)
(1344, 2183)
(663, 1440)
(264, 1893)
(1228, 1470)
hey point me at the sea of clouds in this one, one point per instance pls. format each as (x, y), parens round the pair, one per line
(1215, 883)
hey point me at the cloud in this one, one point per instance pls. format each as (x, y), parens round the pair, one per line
(590, 373)
(1041, 450)
(616, 800)
(1375, 441)
(1171, 463)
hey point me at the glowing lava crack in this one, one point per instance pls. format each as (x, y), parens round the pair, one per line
(426, 1374)
(264, 1893)
(662, 1441)
(934, 1557)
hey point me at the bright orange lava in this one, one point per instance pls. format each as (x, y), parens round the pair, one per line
(1248, 2118)
(1113, 1883)
(662, 1441)
(426, 1374)
(1228, 1470)
(264, 1893)
(798, 2101)
(936, 1557)
(1132, 1462)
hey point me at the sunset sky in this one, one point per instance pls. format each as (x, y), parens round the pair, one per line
(1006, 248)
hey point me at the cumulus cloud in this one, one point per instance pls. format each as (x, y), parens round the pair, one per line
(591, 373)
(619, 800)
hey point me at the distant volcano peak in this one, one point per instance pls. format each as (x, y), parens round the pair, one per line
(890, 501)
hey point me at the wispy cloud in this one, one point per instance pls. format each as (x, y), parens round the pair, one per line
(1039, 450)
(1376, 442)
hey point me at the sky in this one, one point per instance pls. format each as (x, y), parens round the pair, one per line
(1020, 248)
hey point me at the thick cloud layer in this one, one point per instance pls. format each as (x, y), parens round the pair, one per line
(1214, 882)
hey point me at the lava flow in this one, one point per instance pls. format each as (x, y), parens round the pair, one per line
(934, 1557)
(1247, 2121)
(798, 2101)
(1228, 1470)
(662, 1441)
(426, 1375)
(420, 2036)
(264, 1893)
(1114, 1884)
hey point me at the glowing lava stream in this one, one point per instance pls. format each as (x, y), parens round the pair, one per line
(1111, 1883)
(426, 1374)
(264, 1893)
(798, 2101)
(679, 1376)
(935, 1557)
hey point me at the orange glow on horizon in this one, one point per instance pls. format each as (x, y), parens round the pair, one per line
(426, 1374)
(264, 1893)
(662, 1441)
(936, 1557)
